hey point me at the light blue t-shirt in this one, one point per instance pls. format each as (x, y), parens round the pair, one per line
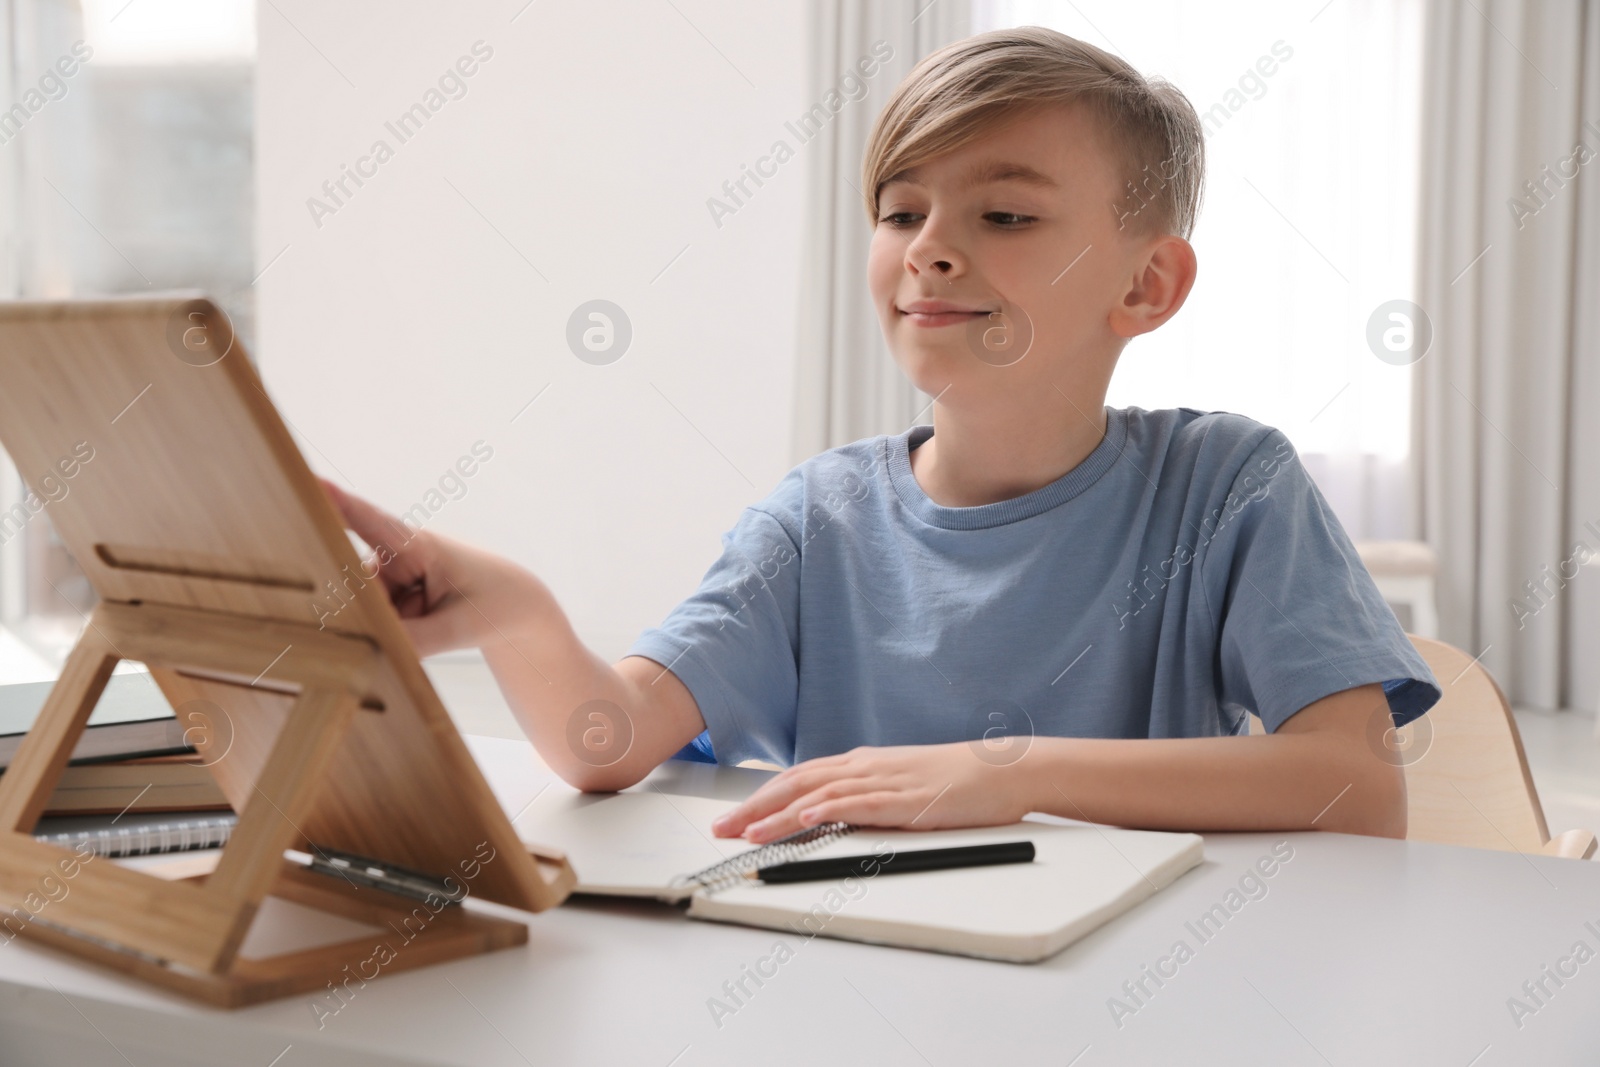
(1186, 571)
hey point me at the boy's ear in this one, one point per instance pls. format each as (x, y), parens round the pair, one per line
(1157, 288)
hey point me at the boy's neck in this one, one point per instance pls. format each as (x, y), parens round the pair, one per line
(983, 458)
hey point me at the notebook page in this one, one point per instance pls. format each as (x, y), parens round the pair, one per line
(629, 844)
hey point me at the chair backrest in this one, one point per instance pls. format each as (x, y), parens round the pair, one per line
(1467, 779)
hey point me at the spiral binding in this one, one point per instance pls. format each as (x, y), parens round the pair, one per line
(733, 869)
(159, 837)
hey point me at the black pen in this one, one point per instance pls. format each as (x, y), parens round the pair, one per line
(928, 859)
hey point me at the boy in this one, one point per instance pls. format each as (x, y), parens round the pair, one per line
(1035, 604)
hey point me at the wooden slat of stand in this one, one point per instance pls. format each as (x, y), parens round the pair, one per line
(435, 937)
(47, 747)
(270, 823)
(176, 920)
(261, 649)
(151, 923)
(451, 934)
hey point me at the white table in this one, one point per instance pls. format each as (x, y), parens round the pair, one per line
(1363, 951)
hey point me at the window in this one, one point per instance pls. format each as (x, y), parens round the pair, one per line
(126, 165)
(1309, 223)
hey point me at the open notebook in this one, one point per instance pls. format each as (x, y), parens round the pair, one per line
(651, 845)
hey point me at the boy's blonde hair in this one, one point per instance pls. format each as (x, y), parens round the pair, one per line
(962, 91)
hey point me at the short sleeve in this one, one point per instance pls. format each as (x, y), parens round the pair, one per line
(734, 643)
(1299, 617)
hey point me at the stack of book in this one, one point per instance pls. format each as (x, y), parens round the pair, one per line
(134, 785)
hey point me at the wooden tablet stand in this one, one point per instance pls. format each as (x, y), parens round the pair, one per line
(222, 565)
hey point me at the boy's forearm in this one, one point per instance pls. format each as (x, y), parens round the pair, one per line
(578, 711)
(1261, 782)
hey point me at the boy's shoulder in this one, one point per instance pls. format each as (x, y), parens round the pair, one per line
(829, 479)
(1196, 430)
(1210, 447)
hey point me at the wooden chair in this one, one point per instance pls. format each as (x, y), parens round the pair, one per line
(1467, 783)
(1405, 573)
(1467, 779)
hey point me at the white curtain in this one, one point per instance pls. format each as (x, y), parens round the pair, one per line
(1510, 277)
(33, 34)
(846, 385)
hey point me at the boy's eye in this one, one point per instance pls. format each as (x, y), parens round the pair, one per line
(897, 218)
(1008, 219)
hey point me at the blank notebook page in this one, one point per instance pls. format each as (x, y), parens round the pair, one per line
(629, 844)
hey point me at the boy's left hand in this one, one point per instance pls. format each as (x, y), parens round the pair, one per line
(914, 787)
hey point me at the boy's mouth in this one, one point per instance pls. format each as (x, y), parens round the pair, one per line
(934, 313)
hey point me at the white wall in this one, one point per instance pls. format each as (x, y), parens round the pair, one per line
(404, 328)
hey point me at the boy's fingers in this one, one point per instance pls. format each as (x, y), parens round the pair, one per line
(786, 820)
(869, 808)
(772, 796)
(371, 523)
(378, 528)
(807, 779)
(734, 822)
(429, 633)
(335, 494)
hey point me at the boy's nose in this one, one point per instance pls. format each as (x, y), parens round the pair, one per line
(920, 258)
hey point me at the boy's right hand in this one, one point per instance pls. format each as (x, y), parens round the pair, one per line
(453, 595)
(444, 590)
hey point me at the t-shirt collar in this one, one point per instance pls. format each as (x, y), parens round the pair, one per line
(897, 460)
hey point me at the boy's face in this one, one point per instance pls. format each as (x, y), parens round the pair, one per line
(1044, 251)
